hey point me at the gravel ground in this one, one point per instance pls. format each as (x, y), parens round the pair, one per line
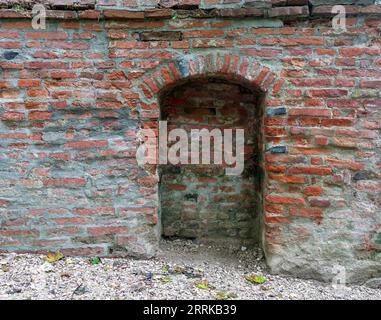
(182, 270)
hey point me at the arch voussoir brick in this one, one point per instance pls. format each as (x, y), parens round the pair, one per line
(227, 65)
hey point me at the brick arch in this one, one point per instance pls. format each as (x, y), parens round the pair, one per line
(243, 69)
(231, 67)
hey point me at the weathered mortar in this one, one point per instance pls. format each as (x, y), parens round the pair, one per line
(74, 97)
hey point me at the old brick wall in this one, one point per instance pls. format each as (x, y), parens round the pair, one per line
(74, 97)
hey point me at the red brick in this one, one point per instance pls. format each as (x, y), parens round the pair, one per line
(86, 144)
(345, 164)
(107, 230)
(284, 200)
(306, 212)
(376, 84)
(321, 203)
(12, 116)
(19, 233)
(287, 178)
(9, 35)
(60, 156)
(36, 115)
(281, 220)
(63, 182)
(123, 14)
(321, 141)
(4, 85)
(355, 52)
(311, 170)
(29, 83)
(71, 220)
(274, 208)
(311, 82)
(10, 45)
(313, 191)
(310, 112)
(95, 211)
(4, 203)
(47, 35)
(148, 181)
(302, 41)
(337, 122)
(176, 187)
(327, 93)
